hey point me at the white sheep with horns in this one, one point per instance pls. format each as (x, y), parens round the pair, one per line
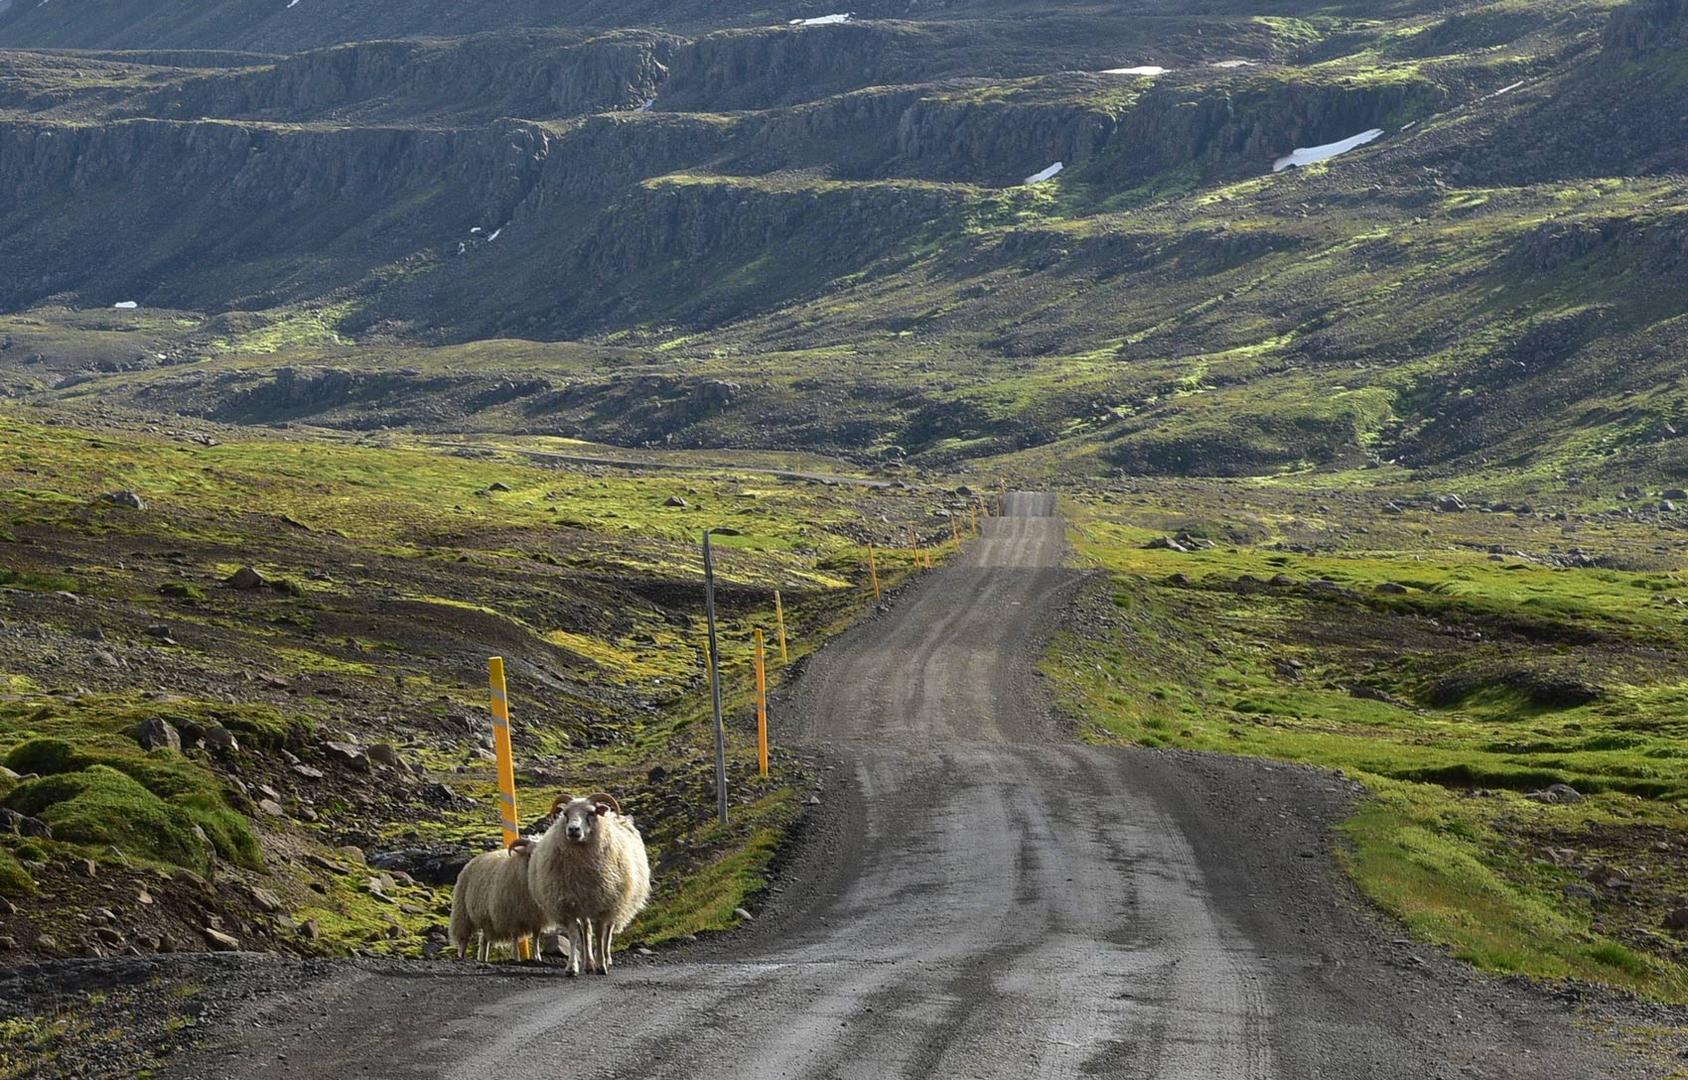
(491, 898)
(590, 875)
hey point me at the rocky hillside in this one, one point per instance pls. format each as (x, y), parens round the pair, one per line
(839, 220)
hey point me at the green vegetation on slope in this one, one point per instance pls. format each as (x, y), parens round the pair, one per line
(385, 577)
(1302, 622)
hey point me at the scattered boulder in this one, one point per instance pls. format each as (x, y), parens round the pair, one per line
(1557, 794)
(247, 578)
(1677, 920)
(1165, 543)
(1390, 588)
(309, 772)
(24, 825)
(498, 485)
(155, 732)
(265, 899)
(222, 740)
(384, 754)
(126, 499)
(1449, 504)
(271, 807)
(675, 500)
(221, 942)
(1673, 493)
(431, 866)
(348, 754)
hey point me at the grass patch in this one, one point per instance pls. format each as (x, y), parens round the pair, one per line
(1451, 700)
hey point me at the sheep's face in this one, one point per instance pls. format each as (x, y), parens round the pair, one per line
(580, 818)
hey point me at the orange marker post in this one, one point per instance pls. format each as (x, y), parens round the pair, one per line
(761, 706)
(779, 621)
(506, 762)
(873, 571)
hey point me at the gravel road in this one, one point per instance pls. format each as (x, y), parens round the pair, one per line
(981, 898)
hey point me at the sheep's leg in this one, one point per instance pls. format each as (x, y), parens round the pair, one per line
(574, 947)
(604, 947)
(483, 951)
(538, 946)
(594, 962)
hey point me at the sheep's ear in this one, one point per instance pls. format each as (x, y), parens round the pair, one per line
(601, 808)
(560, 801)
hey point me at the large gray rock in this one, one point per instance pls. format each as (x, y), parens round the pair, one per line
(125, 498)
(349, 754)
(221, 942)
(155, 732)
(246, 578)
(384, 754)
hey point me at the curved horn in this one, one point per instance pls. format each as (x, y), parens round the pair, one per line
(604, 796)
(557, 803)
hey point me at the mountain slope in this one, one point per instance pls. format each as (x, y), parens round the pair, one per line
(833, 220)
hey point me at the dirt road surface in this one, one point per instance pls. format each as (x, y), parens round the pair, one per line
(984, 898)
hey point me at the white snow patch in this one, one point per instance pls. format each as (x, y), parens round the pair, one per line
(1233, 63)
(823, 20)
(1144, 69)
(475, 229)
(1043, 174)
(291, 3)
(495, 233)
(1307, 155)
(646, 107)
(1507, 89)
(126, 305)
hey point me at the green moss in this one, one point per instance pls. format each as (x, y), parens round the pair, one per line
(182, 590)
(100, 806)
(184, 790)
(14, 879)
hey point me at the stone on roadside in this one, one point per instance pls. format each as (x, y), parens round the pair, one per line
(221, 942)
(349, 754)
(246, 578)
(384, 754)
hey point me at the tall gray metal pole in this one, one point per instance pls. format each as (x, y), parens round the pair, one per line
(715, 683)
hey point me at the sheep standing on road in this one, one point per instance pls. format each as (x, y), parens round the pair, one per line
(590, 875)
(491, 898)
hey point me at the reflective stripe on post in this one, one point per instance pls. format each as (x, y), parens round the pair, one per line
(501, 746)
(506, 765)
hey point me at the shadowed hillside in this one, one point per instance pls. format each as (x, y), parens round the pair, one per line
(834, 220)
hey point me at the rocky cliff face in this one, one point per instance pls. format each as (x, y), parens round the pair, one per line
(533, 74)
(153, 208)
(1645, 27)
(1256, 121)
